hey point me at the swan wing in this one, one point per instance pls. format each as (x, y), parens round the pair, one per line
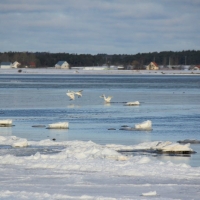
(69, 91)
(79, 93)
(71, 95)
(102, 96)
(109, 97)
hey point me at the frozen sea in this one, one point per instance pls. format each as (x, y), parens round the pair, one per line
(171, 102)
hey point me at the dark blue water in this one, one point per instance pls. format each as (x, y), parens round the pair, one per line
(171, 102)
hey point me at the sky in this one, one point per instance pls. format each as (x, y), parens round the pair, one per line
(103, 26)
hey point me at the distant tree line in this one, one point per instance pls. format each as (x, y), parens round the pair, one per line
(46, 59)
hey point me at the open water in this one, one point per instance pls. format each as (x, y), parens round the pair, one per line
(171, 102)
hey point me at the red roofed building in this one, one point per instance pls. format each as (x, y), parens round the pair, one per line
(32, 64)
(152, 66)
(197, 67)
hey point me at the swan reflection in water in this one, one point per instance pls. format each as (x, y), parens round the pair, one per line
(73, 106)
(107, 104)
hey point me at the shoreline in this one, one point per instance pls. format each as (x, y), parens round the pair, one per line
(55, 71)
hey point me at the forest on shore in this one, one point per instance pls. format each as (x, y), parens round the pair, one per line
(46, 59)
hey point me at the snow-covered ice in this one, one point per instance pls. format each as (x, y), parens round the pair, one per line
(132, 103)
(86, 170)
(58, 125)
(151, 193)
(6, 122)
(13, 141)
(146, 125)
(163, 146)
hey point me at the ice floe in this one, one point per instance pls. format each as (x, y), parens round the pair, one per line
(151, 193)
(193, 141)
(13, 141)
(20, 143)
(90, 149)
(86, 170)
(5, 122)
(132, 103)
(39, 126)
(59, 125)
(146, 125)
(75, 149)
(159, 146)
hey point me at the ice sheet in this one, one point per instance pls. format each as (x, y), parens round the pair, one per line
(86, 170)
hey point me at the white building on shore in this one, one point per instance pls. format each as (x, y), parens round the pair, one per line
(6, 65)
(62, 65)
(95, 68)
(152, 66)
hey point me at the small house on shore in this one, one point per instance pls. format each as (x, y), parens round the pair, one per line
(152, 66)
(32, 65)
(120, 67)
(6, 65)
(197, 67)
(62, 65)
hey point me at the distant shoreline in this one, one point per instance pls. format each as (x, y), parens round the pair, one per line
(96, 72)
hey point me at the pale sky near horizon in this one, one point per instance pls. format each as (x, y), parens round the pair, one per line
(99, 26)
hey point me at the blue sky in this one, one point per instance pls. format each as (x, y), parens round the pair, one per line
(99, 26)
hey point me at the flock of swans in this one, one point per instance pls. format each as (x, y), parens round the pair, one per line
(72, 94)
(146, 125)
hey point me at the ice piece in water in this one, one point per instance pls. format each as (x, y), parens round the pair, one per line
(193, 141)
(146, 125)
(152, 193)
(39, 126)
(59, 125)
(160, 146)
(132, 103)
(6, 122)
(176, 147)
(20, 143)
(165, 147)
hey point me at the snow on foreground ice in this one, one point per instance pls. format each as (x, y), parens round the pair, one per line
(156, 145)
(85, 170)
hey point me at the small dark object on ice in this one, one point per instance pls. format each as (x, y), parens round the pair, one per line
(111, 128)
(189, 141)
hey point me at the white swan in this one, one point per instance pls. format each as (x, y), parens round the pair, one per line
(71, 95)
(79, 93)
(107, 99)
